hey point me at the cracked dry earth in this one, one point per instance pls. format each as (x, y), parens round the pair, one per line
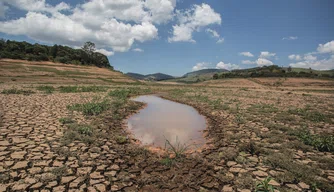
(33, 157)
(30, 135)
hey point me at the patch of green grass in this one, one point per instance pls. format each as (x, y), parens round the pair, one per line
(80, 132)
(121, 139)
(77, 89)
(66, 120)
(299, 172)
(46, 89)
(167, 161)
(91, 108)
(323, 142)
(128, 92)
(311, 115)
(262, 109)
(17, 91)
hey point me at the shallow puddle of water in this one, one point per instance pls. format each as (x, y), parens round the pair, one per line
(162, 119)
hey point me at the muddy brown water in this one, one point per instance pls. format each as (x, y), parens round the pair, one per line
(162, 119)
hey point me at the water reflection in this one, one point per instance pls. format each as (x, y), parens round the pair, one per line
(163, 119)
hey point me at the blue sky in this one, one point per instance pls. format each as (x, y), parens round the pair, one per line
(175, 37)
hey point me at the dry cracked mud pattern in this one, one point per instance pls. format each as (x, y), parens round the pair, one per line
(242, 140)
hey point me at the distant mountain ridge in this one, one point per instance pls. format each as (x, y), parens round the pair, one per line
(150, 77)
(203, 72)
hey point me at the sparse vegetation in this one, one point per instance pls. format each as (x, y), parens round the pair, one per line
(91, 108)
(77, 89)
(66, 120)
(17, 91)
(46, 89)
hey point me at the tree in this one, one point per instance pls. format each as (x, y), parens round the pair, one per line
(89, 48)
(289, 69)
(53, 51)
(215, 76)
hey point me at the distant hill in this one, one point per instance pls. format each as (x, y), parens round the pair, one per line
(136, 76)
(200, 75)
(150, 77)
(204, 72)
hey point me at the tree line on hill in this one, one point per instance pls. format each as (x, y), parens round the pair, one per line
(56, 53)
(273, 71)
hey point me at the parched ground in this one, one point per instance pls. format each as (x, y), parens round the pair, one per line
(73, 139)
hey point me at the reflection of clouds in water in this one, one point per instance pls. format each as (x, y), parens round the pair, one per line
(162, 119)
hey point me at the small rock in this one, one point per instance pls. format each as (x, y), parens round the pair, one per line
(231, 163)
(84, 170)
(20, 165)
(227, 188)
(100, 187)
(293, 186)
(303, 185)
(274, 183)
(260, 173)
(96, 175)
(65, 180)
(111, 173)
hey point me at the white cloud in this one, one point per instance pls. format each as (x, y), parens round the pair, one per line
(105, 52)
(311, 61)
(309, 57)
(110, 24)
(246, 54)
(194, 19)
(137, 50)
(200, 66)
(215, 34)
(220, 40)
(263, 62)
(290, 38)
(37, 5)
(266, 54)
(228, 66)
(326, 48)
(295, 57)
(324, 64)
(248, 62)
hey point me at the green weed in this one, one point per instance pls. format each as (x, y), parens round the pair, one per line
(264, 186)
